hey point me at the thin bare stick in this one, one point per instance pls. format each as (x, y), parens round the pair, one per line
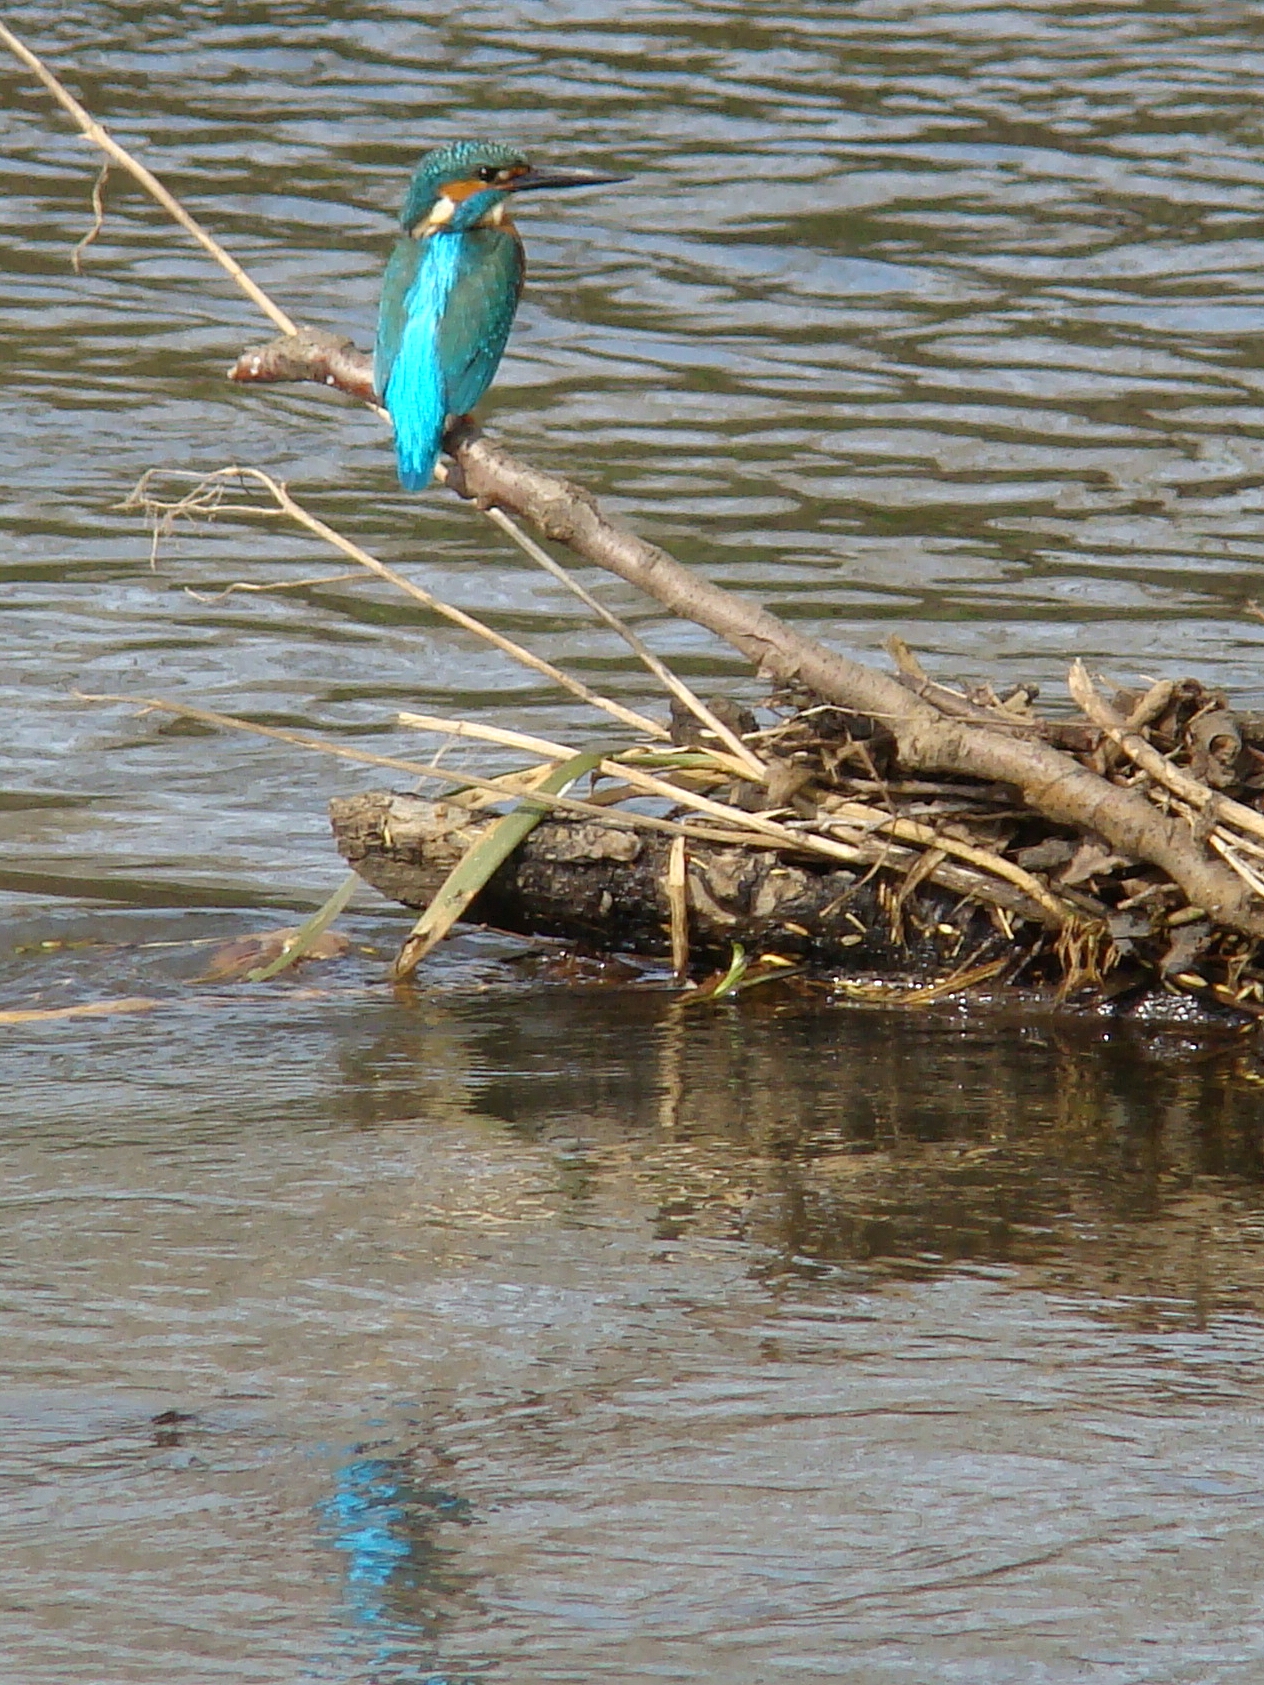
(488, 734)
(100, 137)
(268, 586)
(751, 765)
(555, 752)
(415, 769)
(287, 505)
(98, 218)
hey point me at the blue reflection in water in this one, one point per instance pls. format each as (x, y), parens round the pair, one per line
(399, 1580)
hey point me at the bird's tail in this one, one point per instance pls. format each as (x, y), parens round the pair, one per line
(415, 474)
(417, 401)
(416, 452)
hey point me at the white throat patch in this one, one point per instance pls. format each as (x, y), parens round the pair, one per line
(444, 210)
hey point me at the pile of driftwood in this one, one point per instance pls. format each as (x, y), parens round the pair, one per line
(943, 883)
(875, 821)
(880, 823)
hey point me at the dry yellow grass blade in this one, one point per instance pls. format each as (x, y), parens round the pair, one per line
(91, 1009)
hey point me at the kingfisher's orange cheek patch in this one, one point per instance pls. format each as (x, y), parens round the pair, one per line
(460, 191)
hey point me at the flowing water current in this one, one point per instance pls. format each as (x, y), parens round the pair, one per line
(529, 1326)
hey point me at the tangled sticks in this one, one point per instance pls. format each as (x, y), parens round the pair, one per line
(1204, 845)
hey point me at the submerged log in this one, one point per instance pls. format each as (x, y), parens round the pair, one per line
(605, 890)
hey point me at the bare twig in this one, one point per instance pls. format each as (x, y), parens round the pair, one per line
(100, 137)
(206, 498)
(268, 586)
(310, 354)
(98, 217)
(913, 676)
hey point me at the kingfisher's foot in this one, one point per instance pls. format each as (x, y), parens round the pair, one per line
(459, 431)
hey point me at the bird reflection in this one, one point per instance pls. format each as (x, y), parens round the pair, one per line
(400, 1579)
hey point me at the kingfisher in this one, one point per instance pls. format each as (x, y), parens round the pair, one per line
(450, 291)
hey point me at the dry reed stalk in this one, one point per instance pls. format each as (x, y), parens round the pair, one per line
(363, 757)
(101, 137)
(678, 906)
(488, 734)
(965, 977)
(749, 764)
(204, 499)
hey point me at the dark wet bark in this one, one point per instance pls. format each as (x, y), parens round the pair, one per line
(605, 890)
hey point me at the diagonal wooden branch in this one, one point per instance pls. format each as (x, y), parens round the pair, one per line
(102, 138)
(309, 354)
(1049, 781)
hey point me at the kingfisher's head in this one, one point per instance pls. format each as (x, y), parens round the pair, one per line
(469, 181)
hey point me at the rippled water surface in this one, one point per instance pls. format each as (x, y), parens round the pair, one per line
(534, 1328)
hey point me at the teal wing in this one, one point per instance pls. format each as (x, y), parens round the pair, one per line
(392, 315)
(479, 313)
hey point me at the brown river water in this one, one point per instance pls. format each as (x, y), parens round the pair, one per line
(532, 1327)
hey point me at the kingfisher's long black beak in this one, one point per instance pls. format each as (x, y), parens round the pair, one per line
(534, 178)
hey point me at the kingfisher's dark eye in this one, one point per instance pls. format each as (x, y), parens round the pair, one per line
(488, 172)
